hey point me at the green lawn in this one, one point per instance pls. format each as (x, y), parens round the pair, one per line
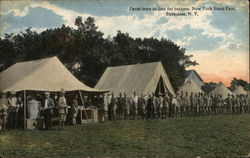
(210, 136)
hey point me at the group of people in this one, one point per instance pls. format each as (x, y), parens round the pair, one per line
(152, 106)
(8, 110)
(12, 106)
(165, 105)
(51, 106)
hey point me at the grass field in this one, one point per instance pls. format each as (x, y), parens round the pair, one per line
(210, 136)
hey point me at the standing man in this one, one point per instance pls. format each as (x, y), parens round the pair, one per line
(220, 104)
(229, 104)
(205, 100)
(110, 109)
(126, 106)
(105, 108)
(201, 104)
(237, 103)
(192, 104)
(180, 105)
(142, 106)
(214, 104)
(62, 109)
(149, 107)
(196, 104)
(174, 107)
(13, 106)
(233, 104)
(247, 100)
(47, 110)
(160, 106)
(3, 111)
(242, 104)
(187, 104)
(209, 103)
(135, 105)
(166, 102)
(120, 107)
(181, 100)
(155, 102)
(74, 109)
(113, 105)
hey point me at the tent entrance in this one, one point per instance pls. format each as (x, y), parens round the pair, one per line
(161, 87)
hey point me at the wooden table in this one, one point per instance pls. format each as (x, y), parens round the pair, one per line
(87, 116)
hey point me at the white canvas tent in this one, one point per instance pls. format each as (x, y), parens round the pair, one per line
(239, 90)
(193, 75)
(142, 78)
(222, 90)
(189, 87)
(47, 74)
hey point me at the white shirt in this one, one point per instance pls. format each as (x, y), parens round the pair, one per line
(13, 101)
(174, 101)
(105, 100)
(46, 104)
(109, 100)
(62, 102)
(135, 99)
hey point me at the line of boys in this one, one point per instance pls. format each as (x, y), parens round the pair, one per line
(164, 105)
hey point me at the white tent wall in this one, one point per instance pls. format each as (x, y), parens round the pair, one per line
(240, 90)
(189, 87)
(193, 75)
(142, 78)
(222, 90)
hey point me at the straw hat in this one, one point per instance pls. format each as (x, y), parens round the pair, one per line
(62, 91)
(47, 93)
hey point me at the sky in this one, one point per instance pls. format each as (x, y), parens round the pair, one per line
(217, 39)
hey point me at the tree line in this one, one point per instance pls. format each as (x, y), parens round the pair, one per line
(86, 52)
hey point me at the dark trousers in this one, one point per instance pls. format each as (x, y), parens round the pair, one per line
(47, 114)
(13, 120)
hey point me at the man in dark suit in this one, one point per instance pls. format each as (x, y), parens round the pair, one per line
(47, 110)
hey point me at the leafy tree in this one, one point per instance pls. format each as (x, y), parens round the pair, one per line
(86, 53)
(239, 82)
(207, 87)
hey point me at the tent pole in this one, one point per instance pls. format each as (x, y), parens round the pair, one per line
(24, 110)
(83, 104)
(159, 84)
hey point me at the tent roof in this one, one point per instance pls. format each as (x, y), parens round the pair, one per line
(142, 78)
(189, 72)
(193, 75)
(222, 90)
(190, 86)
(47, 74)
(239, 90)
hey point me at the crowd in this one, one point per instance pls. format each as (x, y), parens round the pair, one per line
(165, 106)
(11, 109)
(153, 106)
